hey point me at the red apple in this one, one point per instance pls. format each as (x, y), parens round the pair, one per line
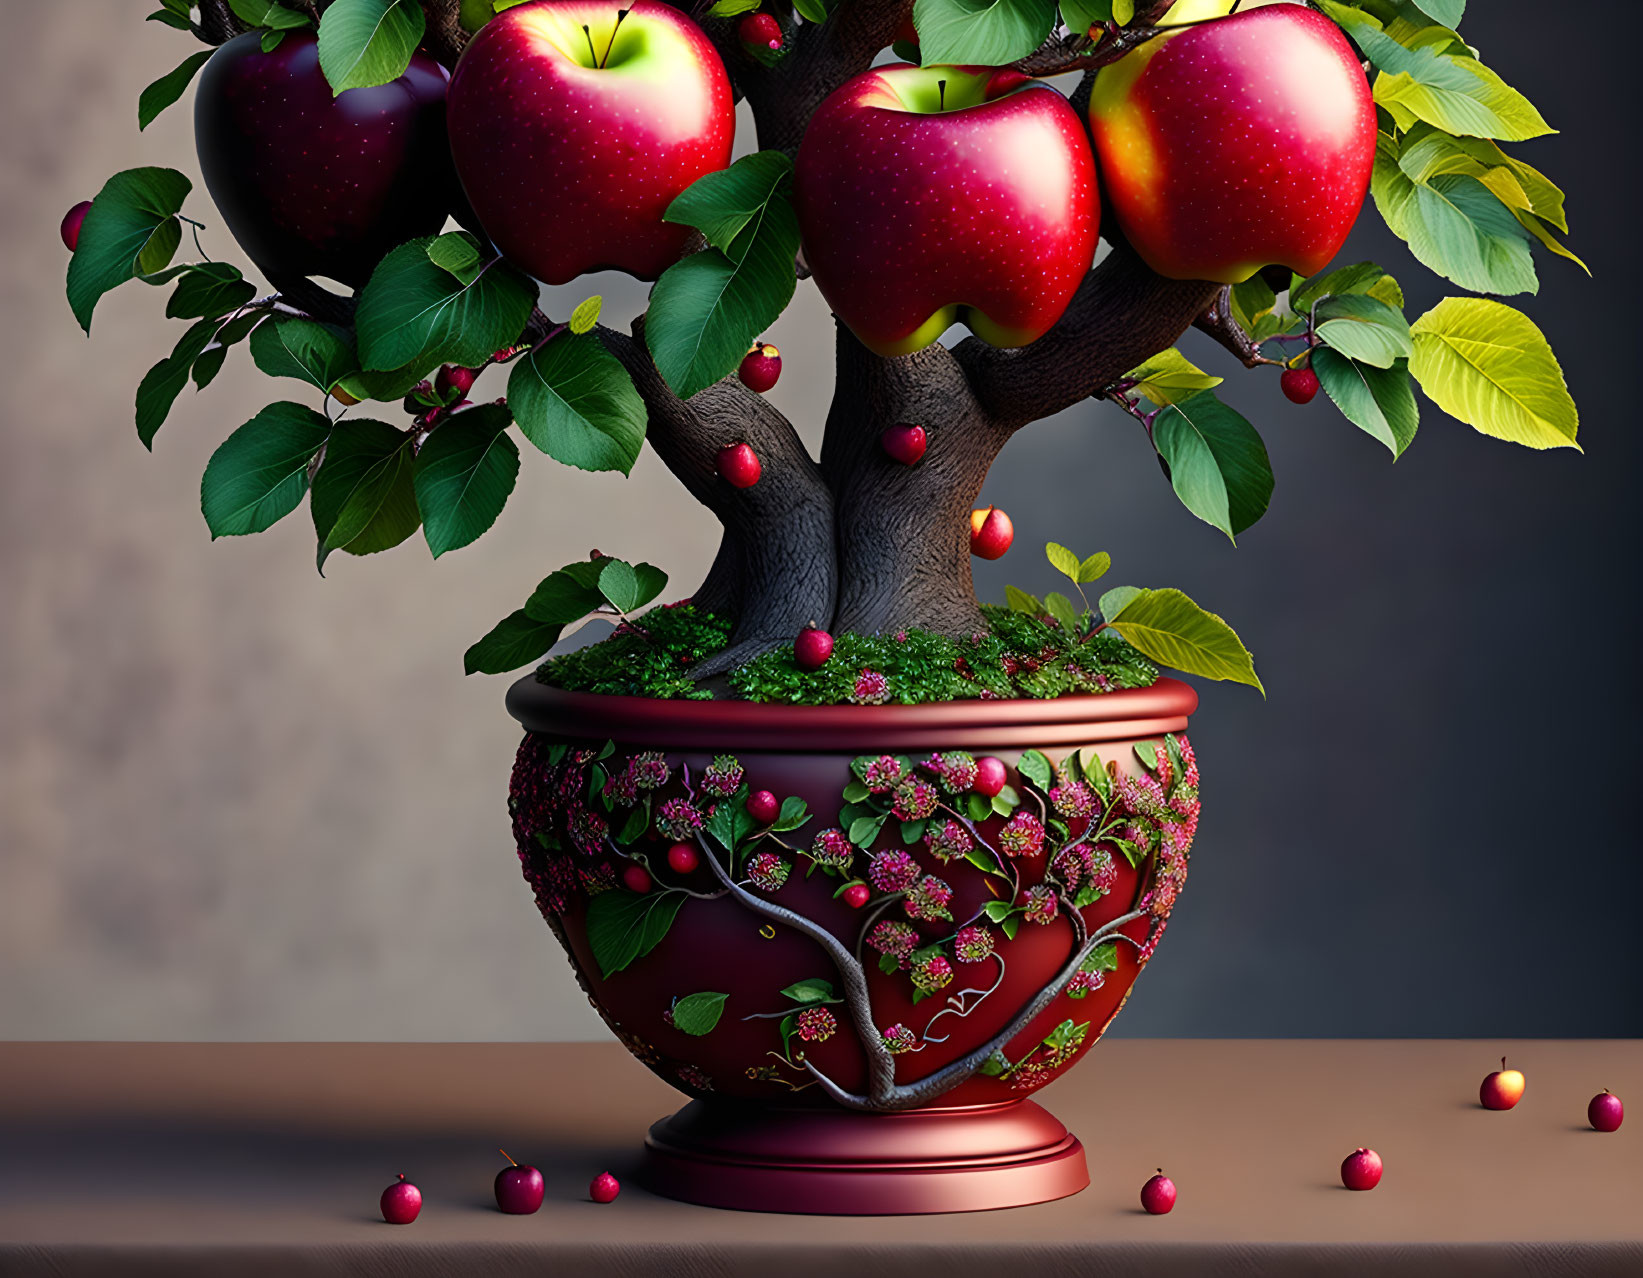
(1158, 1194)
(1236, 143)
(763, 806)
(604, 1189)
(315, 183)
(682, 858)
(856, 895)
(574, 128)
(739, 465)
(760, 31)
(991, 533)
(401, 1202)
(636, 879)
(761, 367)
(1503, 1088)
(1361, 1169)
(812, 648)
(991, 776)
(1300, 385)
(519, 1189)
(905, 442)
(72, 221)
(930, 196)
(1605, 1112)
(454, 382)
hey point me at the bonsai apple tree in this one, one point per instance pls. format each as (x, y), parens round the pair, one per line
(1222, 150)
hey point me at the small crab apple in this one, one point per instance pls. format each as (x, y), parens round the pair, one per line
(991, 533)
(682, 858)
(812, 648)
(1361, 1169)
(1503, 1088)
(856, 895)
(604, 1188)
(1158, 1194)
(72, 221)
(763, 806)
(761, 367)
(760, 31)
(637, 879)
(905, 442)
(991, 775)
(519, 1189)
(1605, 1112)
(401, 1202)
(739, 465)
(1300, 385)
(454, 382)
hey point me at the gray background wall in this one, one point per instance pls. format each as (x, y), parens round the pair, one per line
(237, 801)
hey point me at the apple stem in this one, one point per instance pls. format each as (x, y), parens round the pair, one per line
(507, 1155)
(1503, 1063)
(592, 52)
(941, 89)
(620, 15)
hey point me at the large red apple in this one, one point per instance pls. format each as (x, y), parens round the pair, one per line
(930, 196)
(575, 127)
(315, 183)
(1238, 143)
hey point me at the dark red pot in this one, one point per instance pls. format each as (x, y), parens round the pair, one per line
(710, 977)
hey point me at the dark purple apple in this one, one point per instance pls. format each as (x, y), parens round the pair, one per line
(519, 1189)
(315, 184)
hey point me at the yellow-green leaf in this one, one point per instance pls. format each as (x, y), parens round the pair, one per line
(586, 314)
(1486, 364)
(1174, 631)
(1171, 377)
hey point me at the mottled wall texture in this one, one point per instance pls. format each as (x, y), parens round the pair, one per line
(239, 801)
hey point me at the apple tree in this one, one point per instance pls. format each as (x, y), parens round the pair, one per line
(1222, 149)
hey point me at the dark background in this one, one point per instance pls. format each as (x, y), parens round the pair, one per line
(1427, 828)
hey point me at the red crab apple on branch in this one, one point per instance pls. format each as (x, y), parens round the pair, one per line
(1233, 143)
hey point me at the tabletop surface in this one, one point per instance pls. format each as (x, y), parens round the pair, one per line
(253, 1158)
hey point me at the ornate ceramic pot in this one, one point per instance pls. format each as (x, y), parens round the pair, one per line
(861, 984)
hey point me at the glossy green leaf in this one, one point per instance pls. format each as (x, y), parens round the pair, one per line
(169, 87)
(567, 595)
(624, 926)
(319, 354)
(456, 253)
(576, 402)
(131, 229)
(260, 472)
(366, 42)
(1380, 401)
(1094, 568)
(414, 312)
(981, 32)
(1021, 601)
(1363, 328)
(464, 475)
(513, 642)
(697, 1014)
(165, 381)
(1218, 464)
(586, 315)
(814, 990)
(1170, 377)
(364, 496)
(1174, 631)
(209, 290)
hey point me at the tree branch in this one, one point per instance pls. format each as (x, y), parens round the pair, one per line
(1123, 314)
(1220, 323)
(445, 38)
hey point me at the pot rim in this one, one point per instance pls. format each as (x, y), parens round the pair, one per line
(1085, 719)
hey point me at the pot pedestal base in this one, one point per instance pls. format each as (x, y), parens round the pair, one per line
(842, 1163)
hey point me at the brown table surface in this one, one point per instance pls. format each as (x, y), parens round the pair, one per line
(268, 1158)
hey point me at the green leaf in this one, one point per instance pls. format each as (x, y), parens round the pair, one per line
(456, 254)
(1448, 12)
(364, 497)
(567, 595)
(731, 823)
(1456, 227)
(316, 353)
(1218, 465)
(413, 311)
(1021, 601)
(165, 381)
(1251, 301)
(259, 474)
(1116, 600)
(366, 42)
(795, 813)
(390, 387)
(169, 87)
(576, 402)
(1379, 401)
(208, 290)
(1035, 766)
(697, 1014)
(1174, 631)
(464, 475)
(1363, 328)
(170, 18)
(474, 14)
(1147, 752)
(1486, 364)
(1062, 560)
(1362, 277)
(1061, 608)
(268, 13)
(981, 32)
(586, 315)
(1094, 568)
(629, 587)
(624, 926)
(814, 990)
(1171, 377)
(515, 641)
(863, 830)
(707, 310)
(131, 229)
(730, 8)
